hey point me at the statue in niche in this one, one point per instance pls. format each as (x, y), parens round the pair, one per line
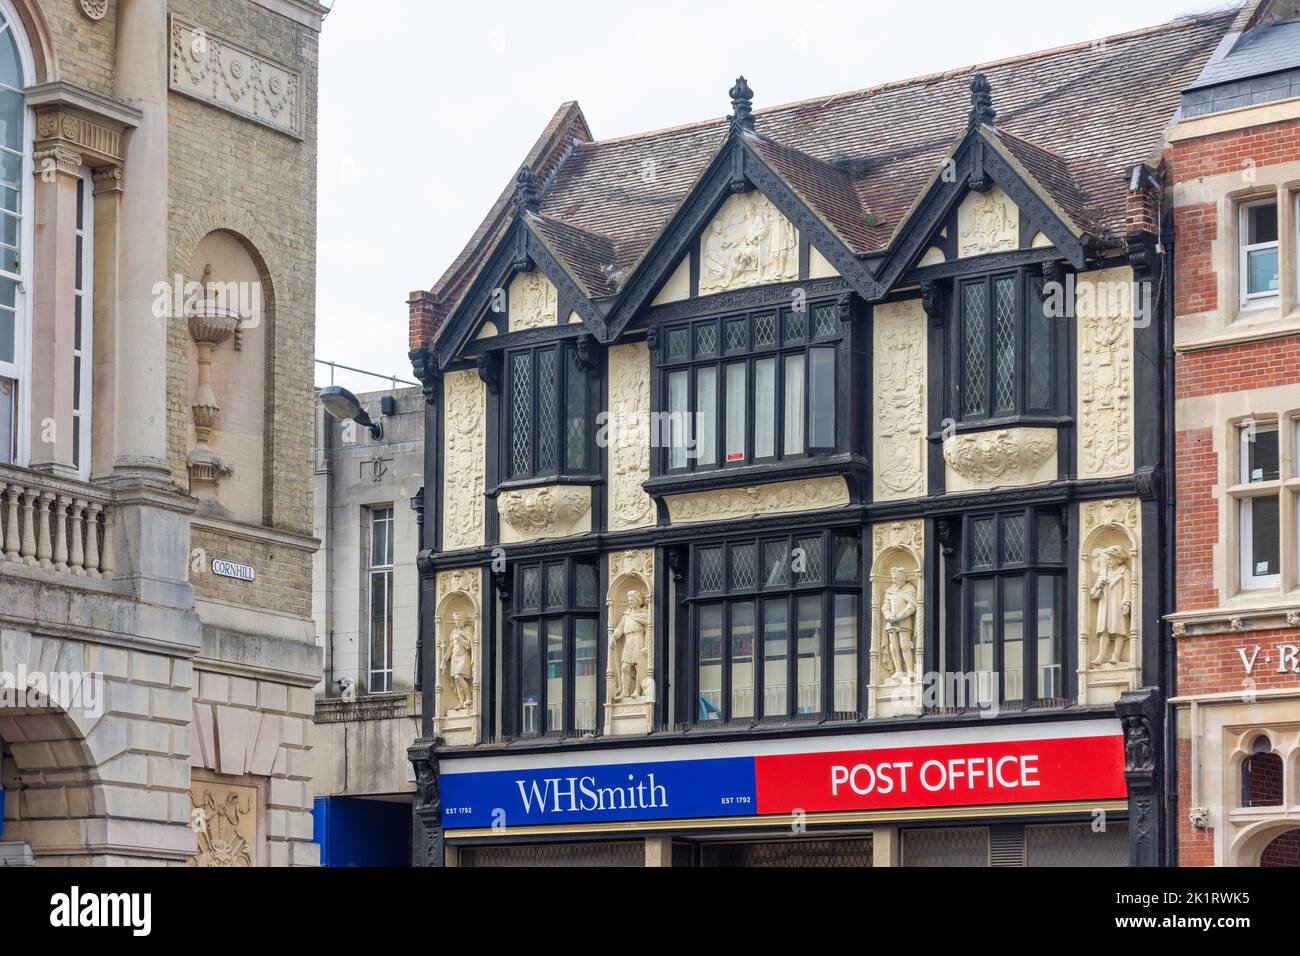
(898, 608)
(457, 663)
(1112, 590)
(628, 642)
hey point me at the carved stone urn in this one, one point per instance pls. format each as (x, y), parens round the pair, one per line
(210, 322)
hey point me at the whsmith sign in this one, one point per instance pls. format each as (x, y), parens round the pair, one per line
(1081, 760)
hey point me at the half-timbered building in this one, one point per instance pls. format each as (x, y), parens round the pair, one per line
(795, 481)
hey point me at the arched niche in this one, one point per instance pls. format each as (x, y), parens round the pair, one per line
(629, 601)
(225, 277)
(897, 656)
(1110, 602)
(458, 656)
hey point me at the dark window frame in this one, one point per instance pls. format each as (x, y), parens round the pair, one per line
(567, 611)
(566, 367)
(1029, 569)
(1029, 321)
(826, 588)
(784, 344)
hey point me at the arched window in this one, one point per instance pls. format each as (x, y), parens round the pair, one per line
(1261, 775)
(15, 226)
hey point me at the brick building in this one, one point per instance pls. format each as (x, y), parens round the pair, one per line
(1234, 162)
(156, 339)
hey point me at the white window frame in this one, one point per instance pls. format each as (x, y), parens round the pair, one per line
(20, 369)
(386, 571)
(1247, 492)
(86, 293)
(1243, 251)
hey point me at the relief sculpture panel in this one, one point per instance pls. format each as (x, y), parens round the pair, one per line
(463, 461)
(748, 243)
(987, 222)
(533, 301)
(629, 437)
(899, 366)
(1104, 306)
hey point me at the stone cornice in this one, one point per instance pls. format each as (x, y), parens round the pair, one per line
(102, 109)
(306, 12)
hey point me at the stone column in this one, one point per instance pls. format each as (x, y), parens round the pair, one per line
(53, 310)
(141, 81)
(108, 212)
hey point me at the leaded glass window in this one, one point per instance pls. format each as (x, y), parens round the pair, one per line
(548, 413)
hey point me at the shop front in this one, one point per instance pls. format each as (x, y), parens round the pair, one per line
(1050, 793)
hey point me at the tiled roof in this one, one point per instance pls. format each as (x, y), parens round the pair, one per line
(1077, 118)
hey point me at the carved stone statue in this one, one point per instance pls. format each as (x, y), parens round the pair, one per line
(1112, 590)
(457, 663)
(898, 608)
(628, 641)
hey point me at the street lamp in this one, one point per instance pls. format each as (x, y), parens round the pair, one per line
(343, 405)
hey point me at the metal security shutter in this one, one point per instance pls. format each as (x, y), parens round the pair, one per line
(1076, 844)
(1007, 846)
(946, 846)
(789, 853)
(629, 853)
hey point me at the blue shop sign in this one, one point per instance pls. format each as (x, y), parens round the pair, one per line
(674, 789)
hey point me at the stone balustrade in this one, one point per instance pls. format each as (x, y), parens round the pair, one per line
(65, 526)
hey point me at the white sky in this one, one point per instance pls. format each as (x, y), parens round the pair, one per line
(427, 107)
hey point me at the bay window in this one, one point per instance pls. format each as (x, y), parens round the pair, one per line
(1012, 601)
(1002, 360)
(774, 626)
(547, 408)
(750, 389)
(555, 647)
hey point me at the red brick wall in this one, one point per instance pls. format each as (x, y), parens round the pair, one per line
(1233, 151)
(1211, 664)
(1284, 851)
(1198, 518)
(1195, 283)
(1236, 368)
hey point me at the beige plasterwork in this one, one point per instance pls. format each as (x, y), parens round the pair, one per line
(898, 388)
(629, 437)
(1005, 457)
(987, 222)
(1104, 316)
(809, 494)
(533, 300)
(630, 685)
(458, 632)
(749, 242)
(896, 690)
(678, 286)
(1225, 413)
(547, 511)
(1229, 322)
(1110, 597)
(463, 460)
(818, 265)
(1220, 730)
